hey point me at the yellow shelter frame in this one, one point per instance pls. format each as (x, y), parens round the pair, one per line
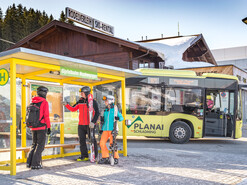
(13, 61)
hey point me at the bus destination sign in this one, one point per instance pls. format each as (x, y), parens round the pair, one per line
(86, 20)
(187, 82)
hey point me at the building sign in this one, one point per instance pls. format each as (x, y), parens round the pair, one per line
(65, 71)
(103, 27)
(4, 77)
(86, 20)
(188, 82)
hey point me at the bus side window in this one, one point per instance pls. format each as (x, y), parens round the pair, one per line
(145, 100)
(183, 100)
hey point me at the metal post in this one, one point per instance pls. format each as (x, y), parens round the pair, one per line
(62, 134)
(13, 117)
(124, 115)
(23, 116)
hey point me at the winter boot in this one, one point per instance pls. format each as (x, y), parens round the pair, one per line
(115, 161)
(36, 167)
(82, 159)
(104, 161)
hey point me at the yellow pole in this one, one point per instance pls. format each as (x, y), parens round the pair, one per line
(23, 115)
(62, 134)
(124, 115)
(13, 117)
(91, 87)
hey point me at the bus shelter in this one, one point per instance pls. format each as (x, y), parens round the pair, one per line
(22, 65)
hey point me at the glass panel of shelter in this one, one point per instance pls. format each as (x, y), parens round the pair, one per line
(5, 119)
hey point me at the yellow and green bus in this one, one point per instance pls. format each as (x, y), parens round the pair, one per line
(180, 105)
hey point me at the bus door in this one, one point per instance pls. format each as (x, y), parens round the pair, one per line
(219, 113)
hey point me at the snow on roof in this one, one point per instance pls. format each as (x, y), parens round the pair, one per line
(173, 50)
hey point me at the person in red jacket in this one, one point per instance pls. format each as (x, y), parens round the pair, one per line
(39, 134)
(84, 122)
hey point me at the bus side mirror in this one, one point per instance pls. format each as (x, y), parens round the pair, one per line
(127, 122)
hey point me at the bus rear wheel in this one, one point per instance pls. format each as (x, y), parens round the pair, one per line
(180, 132)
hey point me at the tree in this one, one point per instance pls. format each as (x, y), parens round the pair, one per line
(63, 18)
(51, 18)
(1, 27)
(20, 22)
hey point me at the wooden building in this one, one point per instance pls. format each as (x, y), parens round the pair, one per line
(81, 43)
(223, 69)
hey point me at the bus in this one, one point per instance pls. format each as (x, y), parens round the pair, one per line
(180, 105)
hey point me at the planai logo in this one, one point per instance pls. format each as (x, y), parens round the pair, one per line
(137, 119)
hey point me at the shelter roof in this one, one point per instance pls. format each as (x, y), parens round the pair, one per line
(45, 58)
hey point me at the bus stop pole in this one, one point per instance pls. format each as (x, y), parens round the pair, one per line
(124, 115)
(62, 133)
(13, 117)
(23, 117)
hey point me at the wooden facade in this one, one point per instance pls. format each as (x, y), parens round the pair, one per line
(225, 69)
(77, 42)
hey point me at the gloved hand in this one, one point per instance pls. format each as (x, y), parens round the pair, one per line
(65, 103)
(114, 132)
(100, 131)
(48, 131)
(91, 125)
(116, 118)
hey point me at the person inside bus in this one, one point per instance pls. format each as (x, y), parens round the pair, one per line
(210, 103)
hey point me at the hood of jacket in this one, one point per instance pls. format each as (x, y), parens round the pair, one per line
(37, 99)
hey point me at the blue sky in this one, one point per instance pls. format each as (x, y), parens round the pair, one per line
(218, 20)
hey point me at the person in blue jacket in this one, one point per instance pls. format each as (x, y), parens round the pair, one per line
(108, 127)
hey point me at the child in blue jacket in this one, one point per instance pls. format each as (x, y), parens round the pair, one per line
(108, 127)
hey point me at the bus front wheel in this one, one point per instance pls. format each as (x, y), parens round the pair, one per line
(180, 132)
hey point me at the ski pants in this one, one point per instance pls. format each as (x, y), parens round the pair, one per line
(82, 131)
(35, 154)
(104, 138)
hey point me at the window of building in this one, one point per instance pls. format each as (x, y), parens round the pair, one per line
(143, 64)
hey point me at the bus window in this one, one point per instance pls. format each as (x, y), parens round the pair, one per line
(231, 103)
(144, 100)
(183, 100)
(222, 101)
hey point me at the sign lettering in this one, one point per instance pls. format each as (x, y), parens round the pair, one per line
(78, 73)
(188, 82)
(4, 77)
(86, 20)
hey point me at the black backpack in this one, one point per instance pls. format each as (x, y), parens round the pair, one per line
(33, 113)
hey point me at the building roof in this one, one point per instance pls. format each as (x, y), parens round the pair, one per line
(56, 25)
(191, 48)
